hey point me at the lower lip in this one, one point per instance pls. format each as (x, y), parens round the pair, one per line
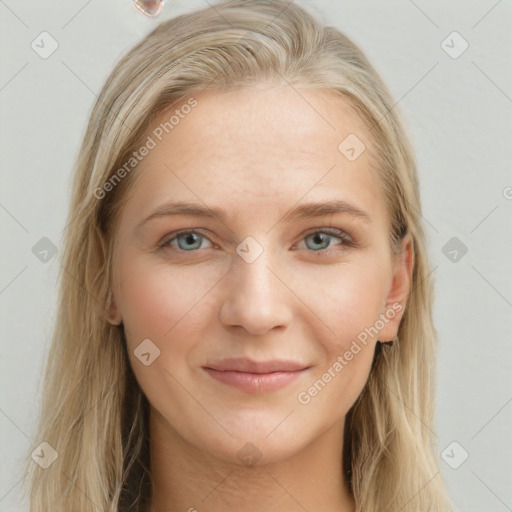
(255, 382)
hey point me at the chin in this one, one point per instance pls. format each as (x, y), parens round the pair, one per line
(256, 445)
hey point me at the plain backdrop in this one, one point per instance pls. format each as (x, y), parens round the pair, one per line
(457, 103)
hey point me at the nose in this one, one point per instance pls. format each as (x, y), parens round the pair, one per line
(256, 296)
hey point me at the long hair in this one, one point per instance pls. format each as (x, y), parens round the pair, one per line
(93, 413)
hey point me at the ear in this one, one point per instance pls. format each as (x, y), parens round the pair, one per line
(112, 314)
(394, 303)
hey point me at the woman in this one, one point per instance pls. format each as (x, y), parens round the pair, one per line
(208, 354)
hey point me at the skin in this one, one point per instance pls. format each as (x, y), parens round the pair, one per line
(256, 153)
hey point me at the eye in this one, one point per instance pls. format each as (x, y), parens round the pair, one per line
(187, 241)
(320, 240)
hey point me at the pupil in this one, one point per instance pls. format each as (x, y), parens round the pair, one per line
(189, 239)
(319, 238)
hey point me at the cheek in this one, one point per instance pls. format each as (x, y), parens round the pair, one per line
(166, 305)
(169, 305)
(349, 302)
(158, 300)
(347, 298)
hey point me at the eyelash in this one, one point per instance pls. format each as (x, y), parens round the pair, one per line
(345, 238)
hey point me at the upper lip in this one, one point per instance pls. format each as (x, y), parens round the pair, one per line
(241, 364)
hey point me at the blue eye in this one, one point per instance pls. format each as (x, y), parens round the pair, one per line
(187, 240)
(322, 240)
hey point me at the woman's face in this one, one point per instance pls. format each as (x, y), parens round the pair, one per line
(259, 326)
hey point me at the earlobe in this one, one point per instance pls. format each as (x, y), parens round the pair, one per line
(402, 273)
(112, 313)
(394, 304)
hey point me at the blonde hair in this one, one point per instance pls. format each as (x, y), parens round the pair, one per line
(94, 414)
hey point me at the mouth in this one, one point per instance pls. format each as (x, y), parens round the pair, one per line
(256, 377)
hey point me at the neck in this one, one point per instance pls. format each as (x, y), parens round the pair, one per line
(186, 478)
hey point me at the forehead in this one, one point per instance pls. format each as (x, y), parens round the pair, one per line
(258, 148)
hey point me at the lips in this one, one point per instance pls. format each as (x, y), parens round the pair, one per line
(249, 366)
(255, 376)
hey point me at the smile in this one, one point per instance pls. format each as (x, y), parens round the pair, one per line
(256, 377)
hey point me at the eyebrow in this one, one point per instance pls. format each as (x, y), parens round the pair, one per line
(301, 212)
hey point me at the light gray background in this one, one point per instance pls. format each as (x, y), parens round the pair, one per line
(459, 114)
